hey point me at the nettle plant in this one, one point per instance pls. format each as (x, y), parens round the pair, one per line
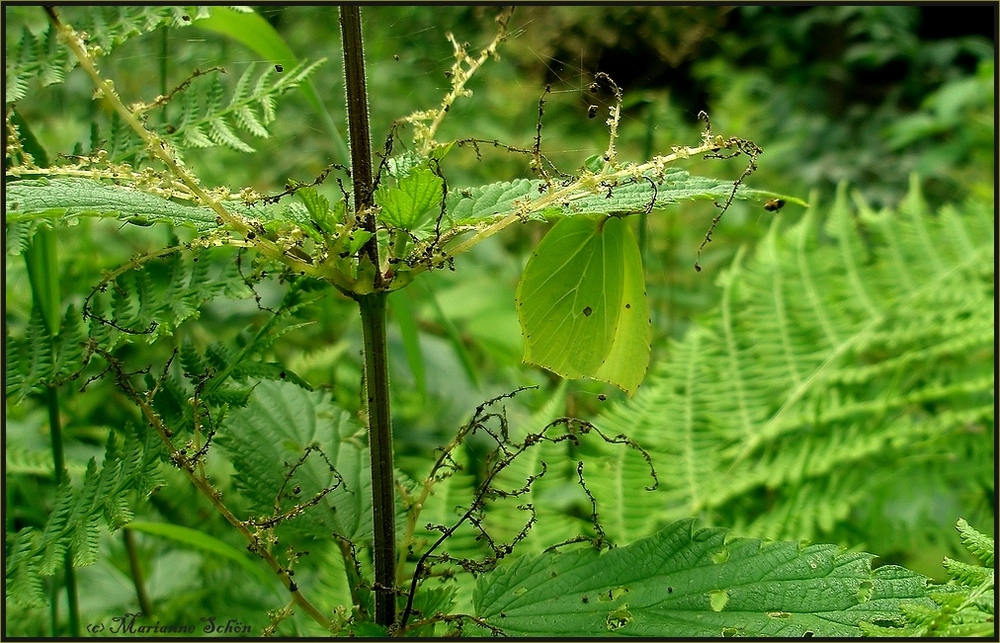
(386, 554)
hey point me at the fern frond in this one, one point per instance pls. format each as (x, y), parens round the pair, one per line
(154, 301)
(34, 57)
(130, 467)
(38, 360)
(964, 606)
(42, 57)
(979, 545)
(835, 366)
(207, 119)
(449, 498)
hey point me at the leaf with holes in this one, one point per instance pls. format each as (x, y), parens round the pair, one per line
(686, 582)
(582, 303)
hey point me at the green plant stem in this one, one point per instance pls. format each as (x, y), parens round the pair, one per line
(373, 321)
(59, 474)
(133, 562)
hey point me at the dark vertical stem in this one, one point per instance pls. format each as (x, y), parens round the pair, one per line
(358, 127)
(133, 562)
(59, 474)
(373, 321)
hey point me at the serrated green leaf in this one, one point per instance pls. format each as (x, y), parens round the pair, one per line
(298, 214)
(357, 239)
(487, 203)
(273, 432)
(68, 198)
(407, 204)
(582, 305)
(669, 585)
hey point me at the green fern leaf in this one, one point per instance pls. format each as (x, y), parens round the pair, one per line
(208, 119)
(45, 58)
(24, 586)
(38, 360)
(556, 497)
(128, 470)
(979, 545)
(963, 607)
(449, 499)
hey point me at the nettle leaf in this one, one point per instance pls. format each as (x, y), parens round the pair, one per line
(683, 582)
(267, 437)
(582, 303)
(415, 195)
(66, 198)
(482, 205)
(31, 201)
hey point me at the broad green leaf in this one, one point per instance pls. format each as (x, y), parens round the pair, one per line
(496, 200)
(67, 198)
(582, 305)
(683, 582)
(267, 437)
(407, 204)
(205, 542)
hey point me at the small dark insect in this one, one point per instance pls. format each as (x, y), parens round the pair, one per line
(447, 74)
(297, 489)
(395, 56)
(585, 599)
(592, 111)
(593, 88)
(773, 205)
(279, 68)
(602, 397)
(186, 18)
(588, 311)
